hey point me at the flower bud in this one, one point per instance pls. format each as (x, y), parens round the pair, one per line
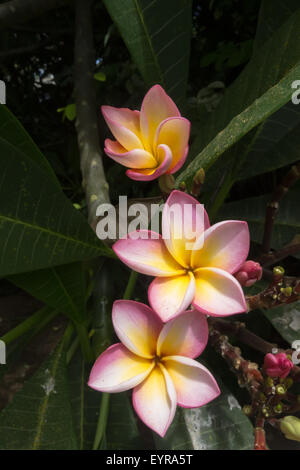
(290, 426)
(277, 365)
(249, 273)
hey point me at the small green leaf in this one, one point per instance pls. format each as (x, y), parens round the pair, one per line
(100, 76)
(70, 111)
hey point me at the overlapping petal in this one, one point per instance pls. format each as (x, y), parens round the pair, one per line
(174, 132)
(218, 293)
(117, 370)
(226, 246)
(124, 125)
(136, 158)
(194, 384)
(154, 400)
(184, 219)
(137, 327)
(185, 335)
(147, 255)
(169, 296)
(164, 160)
(156, 107)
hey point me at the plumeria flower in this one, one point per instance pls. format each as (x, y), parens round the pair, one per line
(201, 276)
(149, 142)
(157, 361)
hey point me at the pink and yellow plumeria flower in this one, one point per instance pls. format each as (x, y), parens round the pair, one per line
(198, 276)
(157, 361)
(150, 142)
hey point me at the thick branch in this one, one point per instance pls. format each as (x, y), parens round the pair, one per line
(94, 181)
(267, 259)
(20, 11)
(240, 332)
(281, 291)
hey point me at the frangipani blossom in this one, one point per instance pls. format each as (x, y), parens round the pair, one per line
(150, 142)
(157, 361)
(201, 276)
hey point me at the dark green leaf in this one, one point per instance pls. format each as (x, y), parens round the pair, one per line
(251, 99)
(122, 430)
(286, 320)
(220, 425)
(12, 131)
(85, 402)
(287, 222)
(158, 35)
(39, 417)
(39, 226)
(62, 288)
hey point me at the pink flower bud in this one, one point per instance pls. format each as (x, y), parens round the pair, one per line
(249, 273)
(277, 365)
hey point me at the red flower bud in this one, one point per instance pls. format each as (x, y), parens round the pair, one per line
(277, 365)
(249, 273)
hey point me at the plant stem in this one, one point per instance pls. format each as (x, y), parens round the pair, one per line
(130, 285)
(28, 324)
(85, 342)
(102, 422)
(104, 407)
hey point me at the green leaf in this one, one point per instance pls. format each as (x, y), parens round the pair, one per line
(70, 111)
(62, 288)
(12, 131)
(286, 320)
(39, 226)
(100, 76)
(157, 34)
(219, 425)
(85, 402)
(251, 99)
(272, 14)
(39, 417)
(122, 430)
(287, 222)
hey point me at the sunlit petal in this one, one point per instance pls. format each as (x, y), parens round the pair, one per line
(169, 296)
(156, 107)
(164, 160)
(185, 335)
(184, 219)
(136, 158)
(117, 369)
(218, 293)
(154, 400)
(137, 327)
(194, 384)
(148, 255)
(226, 246)
(175, 133)
(124, 125)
